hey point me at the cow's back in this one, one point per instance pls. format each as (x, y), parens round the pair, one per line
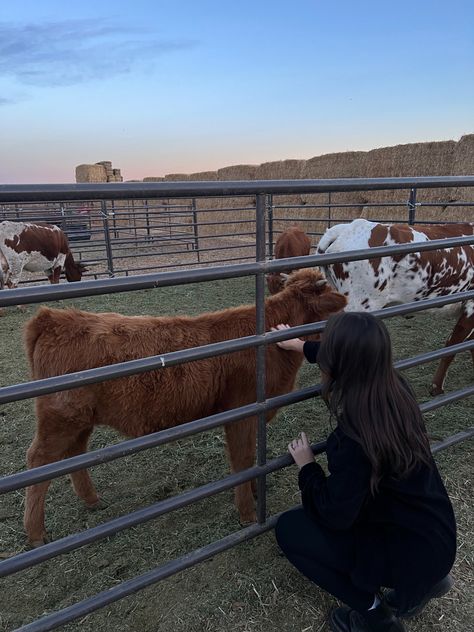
(65, 341)
(376, 283)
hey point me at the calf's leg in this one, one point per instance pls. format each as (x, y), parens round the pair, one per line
(81, 480)
(52, 442)
(463, 331)
(241, 437)
(54, 275)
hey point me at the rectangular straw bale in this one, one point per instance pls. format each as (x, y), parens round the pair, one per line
(280, 170)
(176, 177)
(237, 172)
(463, 165)
(91, 173)
(458, 213)
(350, 164)
(410, 160)
(389, 214)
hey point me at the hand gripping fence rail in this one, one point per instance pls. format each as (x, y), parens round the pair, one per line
(260, 340)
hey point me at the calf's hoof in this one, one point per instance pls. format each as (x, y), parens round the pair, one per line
(35, 543)
(436, 390)
(97, 505)
(248, 519)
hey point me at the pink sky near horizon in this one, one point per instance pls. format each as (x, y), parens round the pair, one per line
(59, 169)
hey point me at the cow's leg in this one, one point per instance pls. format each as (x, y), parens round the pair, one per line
(81, 480)
(463, 331)
(54, 275)
(52, 441)
(241, 437)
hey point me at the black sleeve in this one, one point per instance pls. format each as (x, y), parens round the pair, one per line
(310, 350)
(335, 501)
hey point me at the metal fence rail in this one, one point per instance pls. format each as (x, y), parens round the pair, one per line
(261, 191)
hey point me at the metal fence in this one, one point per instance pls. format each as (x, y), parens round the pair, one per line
(122, 236)
(37, 294)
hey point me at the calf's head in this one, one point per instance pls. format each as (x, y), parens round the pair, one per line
(310, 287)
(275, 282)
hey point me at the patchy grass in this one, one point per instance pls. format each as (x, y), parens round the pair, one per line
(248, 589)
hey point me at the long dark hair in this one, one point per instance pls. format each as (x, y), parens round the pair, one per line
(372, 403)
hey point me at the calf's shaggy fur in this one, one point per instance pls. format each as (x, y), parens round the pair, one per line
(293, 242)
(65, 341)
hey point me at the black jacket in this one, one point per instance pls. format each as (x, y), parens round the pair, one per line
(405, 535)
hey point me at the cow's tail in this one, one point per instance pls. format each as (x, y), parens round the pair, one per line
(41, 322)
(329, 238)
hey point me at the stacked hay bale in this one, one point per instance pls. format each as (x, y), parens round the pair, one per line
(99, 172)
(442, 158)
(91, 173)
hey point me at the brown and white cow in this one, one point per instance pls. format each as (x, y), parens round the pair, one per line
(65, 341)
(293, 242)
(376, 283)
(35, 248)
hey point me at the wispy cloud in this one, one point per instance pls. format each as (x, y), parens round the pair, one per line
(75, 51)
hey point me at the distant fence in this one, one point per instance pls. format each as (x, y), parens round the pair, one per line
(120, 236)
(261, 191)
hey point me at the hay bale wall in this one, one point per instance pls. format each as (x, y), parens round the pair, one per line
(442, 158)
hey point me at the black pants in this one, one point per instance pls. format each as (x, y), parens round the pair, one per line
(325, 557)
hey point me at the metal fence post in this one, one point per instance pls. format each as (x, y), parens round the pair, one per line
(329, 209)
(261, 352)
(147, 213)
(114, 221)
(108, 245)
(195, 229)
(412, 207)
(270, 224)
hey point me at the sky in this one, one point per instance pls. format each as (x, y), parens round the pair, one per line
(161, 87)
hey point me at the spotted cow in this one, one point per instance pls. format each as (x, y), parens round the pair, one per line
(376, 283)
(35, 248)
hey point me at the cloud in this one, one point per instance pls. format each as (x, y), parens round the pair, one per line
(76, 51)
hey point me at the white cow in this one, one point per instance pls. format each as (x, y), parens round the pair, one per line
(376, 283)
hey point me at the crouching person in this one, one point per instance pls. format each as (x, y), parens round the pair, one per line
(382, 518)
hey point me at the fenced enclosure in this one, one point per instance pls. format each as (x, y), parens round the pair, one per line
(119, 236)
(31, 295)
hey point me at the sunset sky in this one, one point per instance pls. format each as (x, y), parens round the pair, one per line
(163, 87)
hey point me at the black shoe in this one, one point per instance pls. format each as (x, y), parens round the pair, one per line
(438, 590)
(380, 619)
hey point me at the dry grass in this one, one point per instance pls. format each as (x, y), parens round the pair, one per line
(248, 589)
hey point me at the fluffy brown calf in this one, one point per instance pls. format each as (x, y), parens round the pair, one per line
(293, 242)
(64, 341)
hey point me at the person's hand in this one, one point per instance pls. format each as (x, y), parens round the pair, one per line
(294, 344)
(300, 450)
